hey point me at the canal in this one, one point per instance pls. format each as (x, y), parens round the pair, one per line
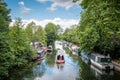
(74, 68)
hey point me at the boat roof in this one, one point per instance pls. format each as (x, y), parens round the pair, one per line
(99, 55)
(39, 51)
(60, 51)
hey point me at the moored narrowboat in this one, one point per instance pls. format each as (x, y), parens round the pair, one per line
(102, 62)
(40, 55)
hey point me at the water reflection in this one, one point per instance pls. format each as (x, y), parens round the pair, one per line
(85, 72)
(60, 66)
(50, 59)
(67, 71)
(39, 69)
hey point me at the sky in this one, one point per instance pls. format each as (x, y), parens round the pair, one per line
(60, 12)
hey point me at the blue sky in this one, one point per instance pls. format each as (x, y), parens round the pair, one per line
(40, 10)
(44, 9)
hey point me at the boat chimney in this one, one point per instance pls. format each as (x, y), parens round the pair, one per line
(108, 55)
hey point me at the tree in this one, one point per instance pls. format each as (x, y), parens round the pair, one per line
(5, 53)
(88, 39)
(40, 35)
(51, 32)
(71, 35)
(103, 17)
(35, 33)
(6, 57)
(19, 45)
(30, 30)
(4, 16)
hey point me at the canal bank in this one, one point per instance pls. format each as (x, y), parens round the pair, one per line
(117, 66)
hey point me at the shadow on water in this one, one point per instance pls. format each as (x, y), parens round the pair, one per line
(50, 59)
(85, 71)
(29, 71)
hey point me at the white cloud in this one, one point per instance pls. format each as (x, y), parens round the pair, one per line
(62, 3)
(21, 3)
(64, 23)
(24, 9)
(67, 4)
(42, 1)
(53, 7)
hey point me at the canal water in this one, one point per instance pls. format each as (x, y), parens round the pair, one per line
(74, 68)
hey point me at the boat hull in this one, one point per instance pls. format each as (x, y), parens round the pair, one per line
(60, 62)
(102, 66)
(39, 59)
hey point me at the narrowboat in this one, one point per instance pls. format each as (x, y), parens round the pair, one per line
(99, 72)
(101, 61)
(49, 49)
(40, 55)
(85, 55)
(60, 57)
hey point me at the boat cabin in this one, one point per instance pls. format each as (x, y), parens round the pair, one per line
(40, 54)
(101, 61)
(60, 57)
(100, 58)
(49, 49)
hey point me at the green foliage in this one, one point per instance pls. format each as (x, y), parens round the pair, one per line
(6, 57)
(4, 16)
(18, 22)
(40, 34)
(71, 35)
(35, 33)
(15, 51)
(99, 27)
(29, 30)
(51, 32)
(103, 17)
(20, 45)
(88, 39)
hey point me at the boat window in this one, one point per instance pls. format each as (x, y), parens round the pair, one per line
(39, 55)
(99, 59)
(40, 51)
(49, 47)
(93, 57)
(106, 60)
